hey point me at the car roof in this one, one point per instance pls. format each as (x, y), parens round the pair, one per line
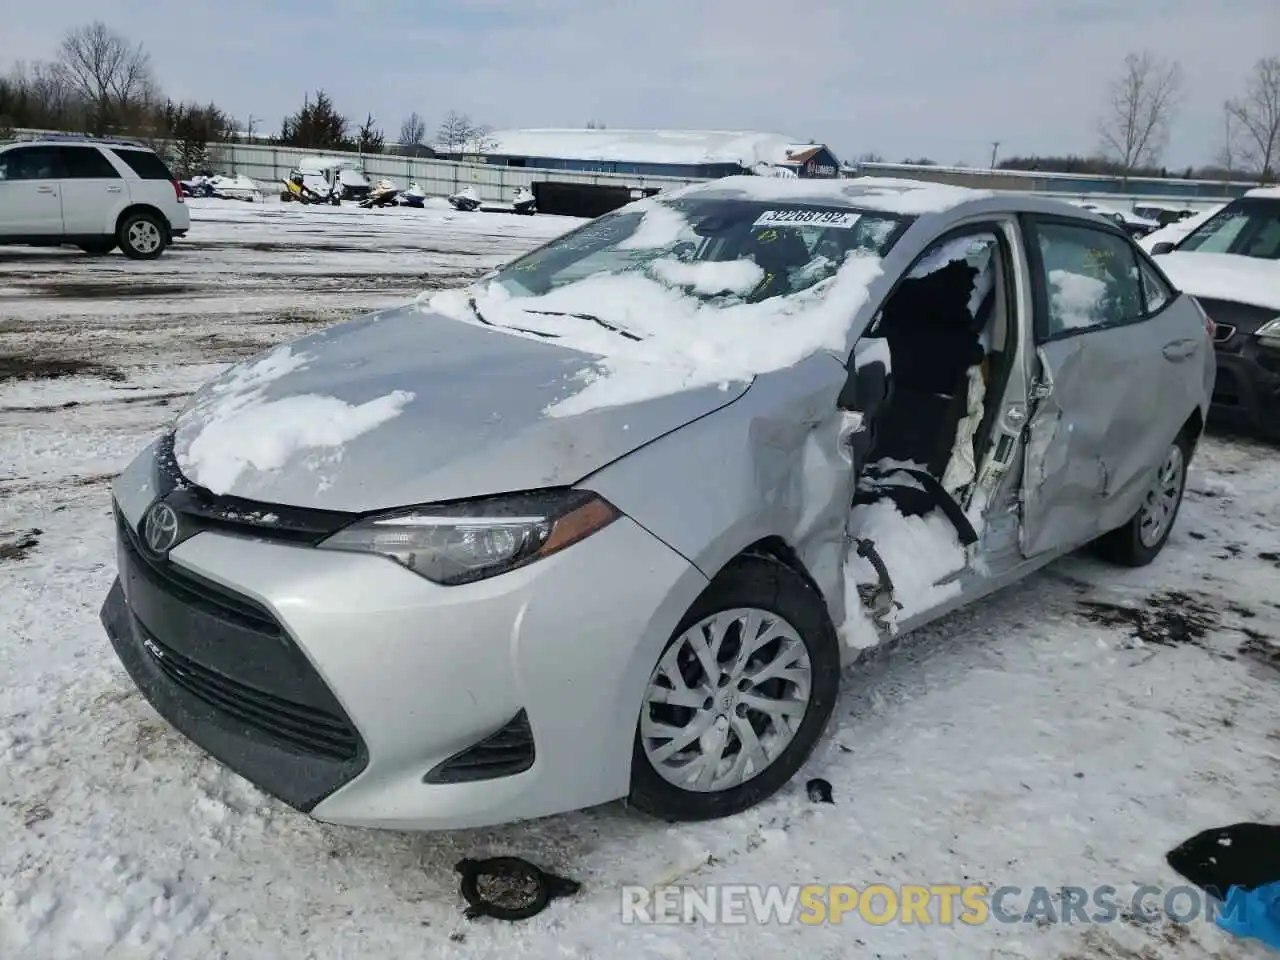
(912, 198)
(48, 139)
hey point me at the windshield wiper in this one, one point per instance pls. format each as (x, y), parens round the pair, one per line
(593, 318)
(471, 302)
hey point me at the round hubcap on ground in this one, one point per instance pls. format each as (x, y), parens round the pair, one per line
(144, 236)
(1162, 501)
(725, 700)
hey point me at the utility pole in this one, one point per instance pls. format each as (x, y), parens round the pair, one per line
(249, 131)
(995, 149)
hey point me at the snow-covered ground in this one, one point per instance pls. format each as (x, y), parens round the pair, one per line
(1030, 740)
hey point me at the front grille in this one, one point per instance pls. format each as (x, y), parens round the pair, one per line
(302, 727)
(502, 754)
(194, 590)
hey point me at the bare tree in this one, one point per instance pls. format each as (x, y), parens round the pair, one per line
(1140, 108)
(480, 141)
(413, 131)
(1257, 118)
(455, 130)
(107, 71)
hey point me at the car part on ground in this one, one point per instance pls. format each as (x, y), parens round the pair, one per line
(509, 888)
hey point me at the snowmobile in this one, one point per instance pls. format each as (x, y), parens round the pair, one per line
(415, 196)
(383, 194)
(524, 201)
(466, 200)
(296, 188)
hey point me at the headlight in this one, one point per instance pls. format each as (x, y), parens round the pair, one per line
(455, 543)
(1270, 332)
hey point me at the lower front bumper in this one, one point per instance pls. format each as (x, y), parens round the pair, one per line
(1247, 389)
(300, 780)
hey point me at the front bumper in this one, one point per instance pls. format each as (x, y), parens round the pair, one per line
(371, 676)
(1248, 383)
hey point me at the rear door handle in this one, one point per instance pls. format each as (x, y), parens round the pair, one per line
(1179, 350)
(45, 190)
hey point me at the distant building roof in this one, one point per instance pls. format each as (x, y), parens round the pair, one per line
(682, 147)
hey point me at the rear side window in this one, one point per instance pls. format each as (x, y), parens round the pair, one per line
(86, 163)
(1156, 293)
(145, 164)
(30, 163)
(1090, 277)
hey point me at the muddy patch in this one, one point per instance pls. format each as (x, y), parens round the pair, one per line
(18, 544)
(20, 367)
(1261, 648)
(109, 290)
(1168, 619)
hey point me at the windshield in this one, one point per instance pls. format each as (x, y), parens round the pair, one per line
(1248, 227)
(721, 252)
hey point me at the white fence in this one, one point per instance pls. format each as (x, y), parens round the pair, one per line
(436, 177)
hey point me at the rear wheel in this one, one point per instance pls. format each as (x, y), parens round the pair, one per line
(1140, 540)
(738, 698)
(99, 248)
(142, 236)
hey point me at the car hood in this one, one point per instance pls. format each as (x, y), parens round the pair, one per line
(1225, 276)
(406, 407)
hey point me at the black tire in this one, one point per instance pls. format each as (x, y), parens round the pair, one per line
(99, 248)
(1124, 545)
(142, 236)
(766, 584)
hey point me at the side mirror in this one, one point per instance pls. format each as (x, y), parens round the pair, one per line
(1164, 246)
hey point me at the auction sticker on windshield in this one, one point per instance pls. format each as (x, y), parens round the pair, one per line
(816, 218)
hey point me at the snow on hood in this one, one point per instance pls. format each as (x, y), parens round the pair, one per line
(659, 338)
(231, 428)
(1225, 276)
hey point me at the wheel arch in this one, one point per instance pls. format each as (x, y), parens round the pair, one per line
(147, 208)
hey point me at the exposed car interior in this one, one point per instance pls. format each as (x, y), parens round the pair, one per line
(950, 341)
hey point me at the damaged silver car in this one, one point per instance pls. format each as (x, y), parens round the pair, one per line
(609, 522)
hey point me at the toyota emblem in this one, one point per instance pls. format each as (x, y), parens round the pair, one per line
(160, 528)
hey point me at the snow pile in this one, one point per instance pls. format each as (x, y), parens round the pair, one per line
(232, 428)
(661, 226)
(685, 343)
(687, 147)
(918, 552)
(1075, 299)
(885, 194)
(709, 277)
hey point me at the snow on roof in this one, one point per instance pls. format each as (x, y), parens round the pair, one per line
(1271, 192)
(688, 147)
(911, 197)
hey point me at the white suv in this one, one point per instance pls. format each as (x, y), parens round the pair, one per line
(93, 193)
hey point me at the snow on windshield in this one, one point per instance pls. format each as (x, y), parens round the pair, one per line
(230, 427)
(685, 342)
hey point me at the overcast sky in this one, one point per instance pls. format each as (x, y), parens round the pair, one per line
(939, 78)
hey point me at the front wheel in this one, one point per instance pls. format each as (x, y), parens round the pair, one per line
(1140, 540)
(738, 698)
(142, 236)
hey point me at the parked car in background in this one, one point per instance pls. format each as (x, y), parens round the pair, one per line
(1178, 229)
(1163, 213)
(609, 521)
(1131, 222)
(92, 193)
(1231, 264)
